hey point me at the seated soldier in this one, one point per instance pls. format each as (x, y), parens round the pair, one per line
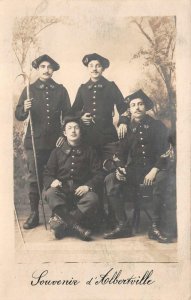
(142, 159)
(71, 177)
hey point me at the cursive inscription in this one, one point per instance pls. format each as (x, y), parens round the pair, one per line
(39, 279)
(113, 277)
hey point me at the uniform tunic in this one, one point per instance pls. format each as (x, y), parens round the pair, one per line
(50, 103)
(74, 167)
(99, 99)
(145, 145)
(144, 148)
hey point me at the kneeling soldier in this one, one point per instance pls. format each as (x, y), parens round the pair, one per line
(142, 159)
(71, 177)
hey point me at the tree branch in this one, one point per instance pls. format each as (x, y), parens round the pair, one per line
(54, 22)
(160, 72)
(168, 47)
(144, 33)
(17, 58)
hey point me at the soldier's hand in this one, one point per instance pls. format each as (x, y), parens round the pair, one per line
(150, 177)
(86, 119)
(27, 104)
(121, 131)
(120, 174)
(81, 190)
(56, 183)
(60, 141)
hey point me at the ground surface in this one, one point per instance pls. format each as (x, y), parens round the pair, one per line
(39, 245)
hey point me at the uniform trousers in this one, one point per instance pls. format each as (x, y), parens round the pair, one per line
(42, 158)
(107, 151)
(60, 196)
(115, 188)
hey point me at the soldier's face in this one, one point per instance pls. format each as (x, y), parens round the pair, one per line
(45, 70)
(137, 108)
(95, 70)
(72, 132)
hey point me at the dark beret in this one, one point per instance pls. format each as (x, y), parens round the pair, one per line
(141, 95)
(94, 56)
(69, 119)
(45, 57)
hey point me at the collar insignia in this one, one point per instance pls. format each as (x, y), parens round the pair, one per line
(41, 86)
(146, 126)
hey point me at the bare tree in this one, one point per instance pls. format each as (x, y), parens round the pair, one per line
(160, 33)
(25, 41)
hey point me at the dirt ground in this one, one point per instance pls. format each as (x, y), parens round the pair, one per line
(40, 245)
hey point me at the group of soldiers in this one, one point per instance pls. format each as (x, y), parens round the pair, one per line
(74, 144)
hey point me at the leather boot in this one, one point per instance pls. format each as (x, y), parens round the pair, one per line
(155, 234)
(120, 231)
(58, 226)
(73, 223)
(82, 233)
(33, 219)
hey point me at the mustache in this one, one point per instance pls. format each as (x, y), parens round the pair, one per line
(46, 74)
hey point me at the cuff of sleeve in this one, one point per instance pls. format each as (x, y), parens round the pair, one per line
(123, 120)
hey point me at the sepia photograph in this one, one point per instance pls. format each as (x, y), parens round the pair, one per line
(97, 149)
(95, 133)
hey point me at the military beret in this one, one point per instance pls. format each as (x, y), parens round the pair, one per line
(141, 95)
(94, 56)
(45, 57)
(69, 119)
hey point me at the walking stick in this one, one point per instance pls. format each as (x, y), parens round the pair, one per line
(26, 78)
(34, 153)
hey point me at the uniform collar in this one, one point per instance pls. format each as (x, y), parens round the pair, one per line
(41, 85)
(99, 84)
(67, 148)
(145, 122)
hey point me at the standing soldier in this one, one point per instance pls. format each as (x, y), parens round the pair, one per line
(142, 159)
(95, 101)
(49, 103)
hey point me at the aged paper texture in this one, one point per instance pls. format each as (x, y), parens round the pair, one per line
(81, 27)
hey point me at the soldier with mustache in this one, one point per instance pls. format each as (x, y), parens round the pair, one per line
(48, 104)
(142, 159)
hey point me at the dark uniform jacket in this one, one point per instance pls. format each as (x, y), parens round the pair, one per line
(79, 164)
(99, 99)
(146, 146)
(50, 103)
